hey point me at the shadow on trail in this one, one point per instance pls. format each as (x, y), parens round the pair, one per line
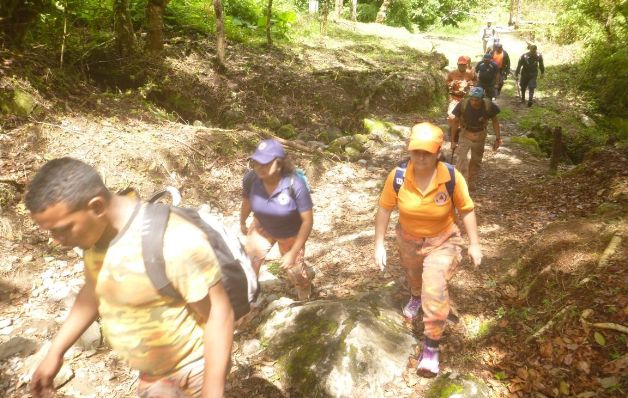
(242, 386)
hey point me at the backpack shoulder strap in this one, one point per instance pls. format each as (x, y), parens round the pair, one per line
(400, 175)
(487, 105)
(248, 180)
(154, 224)
(463, 108)
(451, 184)
(293, 193)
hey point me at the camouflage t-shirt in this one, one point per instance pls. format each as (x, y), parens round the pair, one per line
(153, 333)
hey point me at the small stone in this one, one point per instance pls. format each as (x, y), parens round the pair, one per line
(251, 347)
(363, 162)
(198, 123)
(78, 267)
(27, 258)
(608, 382)
(17, 345)
(4, 322)
(90, 353)
(587, 121)
(6, 331)
(65, 374)
(91, 338)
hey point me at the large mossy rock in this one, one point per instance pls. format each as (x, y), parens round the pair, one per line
(17, 102)
(348, 348)
(458, 386)
(384, 131)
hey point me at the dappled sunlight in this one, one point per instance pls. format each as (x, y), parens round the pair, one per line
(508, 156)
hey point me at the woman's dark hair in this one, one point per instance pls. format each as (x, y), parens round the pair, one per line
(66, 180)
(287, 167)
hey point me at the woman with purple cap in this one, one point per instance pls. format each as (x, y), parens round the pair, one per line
(282, 213)
(427, 193)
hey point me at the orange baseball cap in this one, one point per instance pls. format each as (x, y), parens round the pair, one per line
(426, 137)
(462, 60)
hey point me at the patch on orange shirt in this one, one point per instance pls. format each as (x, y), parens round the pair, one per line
(440, 199)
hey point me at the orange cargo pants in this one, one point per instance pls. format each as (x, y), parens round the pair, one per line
(429, 263)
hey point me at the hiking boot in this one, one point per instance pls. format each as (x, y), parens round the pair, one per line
(411, 310)
(428, 365)
(529, 103)
(304, 292)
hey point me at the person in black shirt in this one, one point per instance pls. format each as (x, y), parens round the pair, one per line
(488, 73)
(529, 65)
(472, 115)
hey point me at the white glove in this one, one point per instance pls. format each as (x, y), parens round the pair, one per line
(380, 257)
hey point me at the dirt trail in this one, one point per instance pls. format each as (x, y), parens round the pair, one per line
(341, 246)
(349, 197)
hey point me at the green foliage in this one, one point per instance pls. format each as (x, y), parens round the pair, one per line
(251, 15)
(367, 12)
(529, 144)
(400, 14)
(604, 74)
(417, 13)
(603, 71)
(185, 15)
(244, 12)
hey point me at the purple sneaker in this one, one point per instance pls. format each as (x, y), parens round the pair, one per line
(428, 366)
(411, 310)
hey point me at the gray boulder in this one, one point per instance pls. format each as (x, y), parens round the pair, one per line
(348, 348)
(454, 385)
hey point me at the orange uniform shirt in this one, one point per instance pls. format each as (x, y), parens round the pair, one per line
(151, 332)
(426, 214)
(499, 59)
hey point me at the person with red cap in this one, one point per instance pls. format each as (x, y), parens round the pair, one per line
(282, 213)
(427, 192)
(459, 82)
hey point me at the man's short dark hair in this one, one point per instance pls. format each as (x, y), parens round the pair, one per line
(66, 180)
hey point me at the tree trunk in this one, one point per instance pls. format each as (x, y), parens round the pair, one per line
(510, 12)
(269, 16)
(557, 148)
(518, 16)
(154, 16)
(354, 10)
(123, 28)
(313, 6)
(324, 15)
(16, 17)
(338, 9)
(220, 34)
(381, 14)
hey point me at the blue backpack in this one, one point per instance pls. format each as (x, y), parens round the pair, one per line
(400, 175)
(298, 173)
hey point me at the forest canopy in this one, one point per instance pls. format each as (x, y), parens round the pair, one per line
(76, 27)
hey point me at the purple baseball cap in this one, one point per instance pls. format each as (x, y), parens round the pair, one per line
(267, 151)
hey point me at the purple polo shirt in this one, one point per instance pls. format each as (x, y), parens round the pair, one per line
(279, 213)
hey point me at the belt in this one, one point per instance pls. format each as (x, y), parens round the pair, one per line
(474, 131)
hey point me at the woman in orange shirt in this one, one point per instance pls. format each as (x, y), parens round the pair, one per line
(430, 244)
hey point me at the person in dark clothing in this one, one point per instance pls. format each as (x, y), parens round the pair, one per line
(502, 59)
(529, 65)
(488, 74)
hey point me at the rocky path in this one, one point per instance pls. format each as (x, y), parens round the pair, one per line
(340, 250)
